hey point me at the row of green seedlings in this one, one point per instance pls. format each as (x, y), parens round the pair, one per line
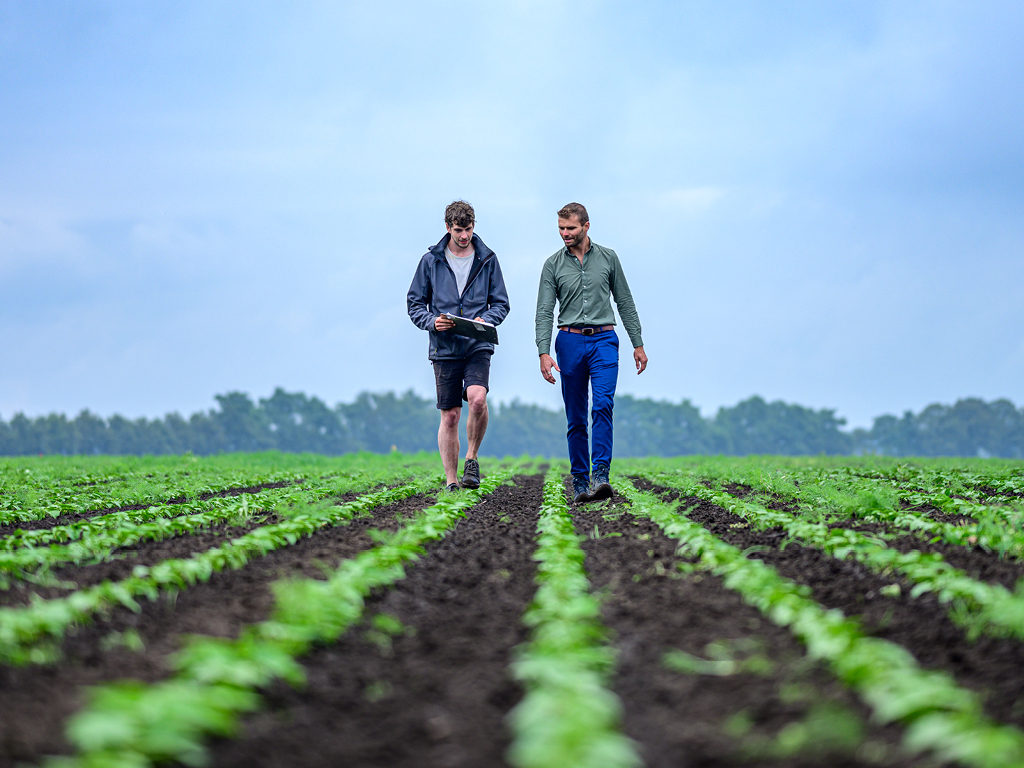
(31, 634)
(994, 528)
(568, 716)
(117, 519)
(130, 724)
(968, 483)
(89, 471)
(38, 504)
(48, 496)
(125, 519)
(979, 607)
(950, 492)
(976, 480)
(31, 554)
(938, 715)
(84, 471)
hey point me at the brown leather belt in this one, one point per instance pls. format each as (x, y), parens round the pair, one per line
(586, 330)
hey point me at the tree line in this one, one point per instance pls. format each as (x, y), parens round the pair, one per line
(382, 422)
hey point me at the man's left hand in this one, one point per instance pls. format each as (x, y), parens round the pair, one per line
(641, 360)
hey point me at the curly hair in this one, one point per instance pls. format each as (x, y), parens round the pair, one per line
(459, 214)
(574, 209)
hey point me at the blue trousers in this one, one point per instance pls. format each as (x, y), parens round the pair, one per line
(588, 362)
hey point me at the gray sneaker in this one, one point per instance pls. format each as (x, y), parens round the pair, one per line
(452, 487)
(471, 474)
(580, 489)
(602, 489)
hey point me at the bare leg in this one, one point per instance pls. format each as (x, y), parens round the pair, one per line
(476, 422)
(448, 444)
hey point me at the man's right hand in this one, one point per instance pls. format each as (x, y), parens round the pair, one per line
(546, 364)
(442, 323)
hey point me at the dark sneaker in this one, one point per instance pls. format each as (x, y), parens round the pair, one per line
(602, 489)
(580, 489)
(471, 474)
(452, 487)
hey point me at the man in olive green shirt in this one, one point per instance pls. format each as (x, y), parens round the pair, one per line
(583, 277)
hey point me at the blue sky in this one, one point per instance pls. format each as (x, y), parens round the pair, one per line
(813, 202)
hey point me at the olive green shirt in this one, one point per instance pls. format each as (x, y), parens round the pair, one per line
(584, 294)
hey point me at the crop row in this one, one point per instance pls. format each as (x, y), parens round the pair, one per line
(94, 539)
(938, 715)
(129, 723)
(34, 493)
(982, 480)
(52, 499)
(838, 495)
(981, 607)
(995, 528)
(22, 629)
(568, 716)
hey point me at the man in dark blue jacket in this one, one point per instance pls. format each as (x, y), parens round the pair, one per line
(459, 276)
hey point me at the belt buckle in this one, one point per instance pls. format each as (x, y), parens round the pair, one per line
(587, 331)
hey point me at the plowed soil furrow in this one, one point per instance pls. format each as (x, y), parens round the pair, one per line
(682, 719)
(36, 701)
(990, 666)
(434, 696)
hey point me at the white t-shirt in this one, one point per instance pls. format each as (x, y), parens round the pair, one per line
(461, 266)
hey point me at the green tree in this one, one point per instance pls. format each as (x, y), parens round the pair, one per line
(379, 422)
(521, 428)
(244, 427)
(659, 428)
(754, 426)
(299, 423)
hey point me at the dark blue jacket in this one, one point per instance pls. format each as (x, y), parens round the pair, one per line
(434, 291)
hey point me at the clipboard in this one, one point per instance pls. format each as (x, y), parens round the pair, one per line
(474, 329)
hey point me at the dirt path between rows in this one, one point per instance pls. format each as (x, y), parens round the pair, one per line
(436, 695)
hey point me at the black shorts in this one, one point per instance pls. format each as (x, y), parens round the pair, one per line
(454, 377)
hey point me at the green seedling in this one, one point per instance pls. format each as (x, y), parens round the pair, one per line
(725, 657)
(377, 690)
(129, 640)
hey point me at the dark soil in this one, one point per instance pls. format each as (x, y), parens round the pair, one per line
(938, 515)
(439, 691)
(434, 696)
(681, 720)
(35, 701)
(990, 666)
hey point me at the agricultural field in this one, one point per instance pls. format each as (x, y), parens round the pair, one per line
(298, 610)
